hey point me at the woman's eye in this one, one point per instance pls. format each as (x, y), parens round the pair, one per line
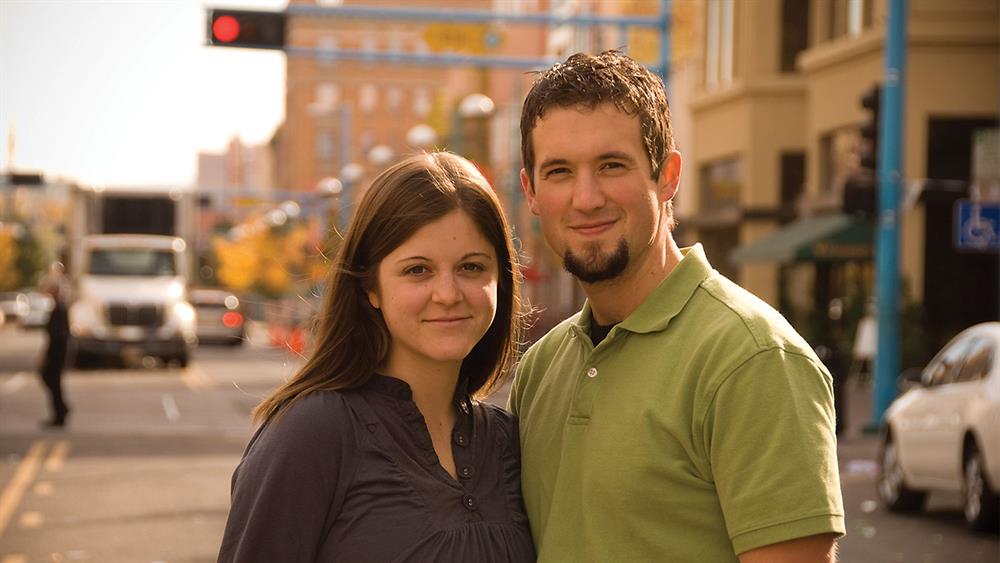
(416, 270)
(473, 267)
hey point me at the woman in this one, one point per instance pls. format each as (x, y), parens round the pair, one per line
(375, 451)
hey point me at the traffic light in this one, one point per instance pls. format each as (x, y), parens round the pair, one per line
(246, 28)
(871, 101)
(861, 188)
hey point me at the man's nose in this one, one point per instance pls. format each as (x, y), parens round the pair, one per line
(587, 194)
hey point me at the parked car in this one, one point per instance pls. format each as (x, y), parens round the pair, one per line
(944, 432)
(220, 317)
(39, 306)
(14, 305)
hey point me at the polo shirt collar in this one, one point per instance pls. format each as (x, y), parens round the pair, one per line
(667, 300)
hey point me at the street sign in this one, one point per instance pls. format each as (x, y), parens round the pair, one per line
(977, 226)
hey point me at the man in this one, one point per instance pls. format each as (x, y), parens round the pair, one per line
(676, 418)
(54, 360)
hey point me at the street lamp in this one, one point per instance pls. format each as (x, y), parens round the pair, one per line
(421, 136)
(472, 113)
(350, 174)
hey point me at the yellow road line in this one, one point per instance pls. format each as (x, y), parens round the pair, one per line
(194, 378)
(25, 474)
(57, 457)
(43, 488)
(31, 520)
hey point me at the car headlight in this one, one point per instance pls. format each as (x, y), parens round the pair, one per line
(85, 320)
(184, 313)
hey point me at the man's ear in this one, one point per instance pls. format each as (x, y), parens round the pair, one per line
(529, 191)
(670, 176)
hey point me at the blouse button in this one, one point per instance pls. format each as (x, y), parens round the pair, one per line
(592, 373)
(465, 472)
(469, 502)
(460, 439)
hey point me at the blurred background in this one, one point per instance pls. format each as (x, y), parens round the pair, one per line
(184, 171)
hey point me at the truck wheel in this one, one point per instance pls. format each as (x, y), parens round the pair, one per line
(183, 359)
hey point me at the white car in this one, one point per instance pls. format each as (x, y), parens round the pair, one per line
(40, 305)
(944, 433)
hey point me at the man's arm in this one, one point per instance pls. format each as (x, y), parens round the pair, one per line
(821, 548)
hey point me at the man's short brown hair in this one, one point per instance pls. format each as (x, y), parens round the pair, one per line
(589, 81)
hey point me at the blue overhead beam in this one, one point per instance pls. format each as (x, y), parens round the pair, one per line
(470, 16)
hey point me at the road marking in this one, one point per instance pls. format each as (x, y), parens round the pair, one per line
(31, 520)
(25, 474)
(14, 558)
(14, 383)
(57, 457)
(195, 378)
(43, 488)
(170, 408)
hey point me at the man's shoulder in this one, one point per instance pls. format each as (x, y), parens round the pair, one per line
(551, 340)
(723, 307)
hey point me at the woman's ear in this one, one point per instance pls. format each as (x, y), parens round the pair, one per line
(373, 298)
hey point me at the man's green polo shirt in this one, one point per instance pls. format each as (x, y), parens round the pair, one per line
(700, 428)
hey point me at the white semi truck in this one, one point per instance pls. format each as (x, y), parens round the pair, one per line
(130, 265)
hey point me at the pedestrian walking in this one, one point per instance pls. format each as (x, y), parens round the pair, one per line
(378, 449)
(53, 361)
(676, 417)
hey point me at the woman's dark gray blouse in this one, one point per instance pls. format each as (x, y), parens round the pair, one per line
(352, 476)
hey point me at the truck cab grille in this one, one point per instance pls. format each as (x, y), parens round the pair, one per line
(135, 315)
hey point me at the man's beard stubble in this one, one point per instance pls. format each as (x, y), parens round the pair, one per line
(595, 267)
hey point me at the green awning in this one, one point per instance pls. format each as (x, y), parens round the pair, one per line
(826, 238)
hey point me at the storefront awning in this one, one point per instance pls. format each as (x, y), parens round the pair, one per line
(814, 239)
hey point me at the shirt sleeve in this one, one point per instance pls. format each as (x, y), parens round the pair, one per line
(769, 433)
(288, 488)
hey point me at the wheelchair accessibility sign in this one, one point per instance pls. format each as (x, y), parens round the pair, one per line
(977, 226)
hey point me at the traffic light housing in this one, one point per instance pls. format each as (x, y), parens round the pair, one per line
(871, 101)
(246, 28)
(861, 189)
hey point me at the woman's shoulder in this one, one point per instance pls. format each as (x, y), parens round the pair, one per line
(324, 416)
(497, 419)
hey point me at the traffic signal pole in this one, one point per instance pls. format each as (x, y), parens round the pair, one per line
(890, 180)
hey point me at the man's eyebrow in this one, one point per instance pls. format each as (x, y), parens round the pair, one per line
(552, 162)
(616, 155)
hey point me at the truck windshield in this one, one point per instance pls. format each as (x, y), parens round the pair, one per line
(132, 262)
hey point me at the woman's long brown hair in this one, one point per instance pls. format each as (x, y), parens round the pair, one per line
(352, 340)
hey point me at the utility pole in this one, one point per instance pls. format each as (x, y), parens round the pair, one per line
(890, 180)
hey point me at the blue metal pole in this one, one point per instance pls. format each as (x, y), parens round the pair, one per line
(890, 179)
(347, 157)
(664, 68)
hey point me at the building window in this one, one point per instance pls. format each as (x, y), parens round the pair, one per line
(721, 183)
(326, 145)
(719, 45)
(326, 45)
(793, 180)
(327, 97)
(394, 99)
(839, 158)
(368, 97)
(422, 102)
(848, 17)
(794, 32)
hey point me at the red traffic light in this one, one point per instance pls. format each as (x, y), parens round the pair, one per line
(225, 29)
(246, 28)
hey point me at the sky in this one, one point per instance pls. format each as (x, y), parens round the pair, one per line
(126, 92)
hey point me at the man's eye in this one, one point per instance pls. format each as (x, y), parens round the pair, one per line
(555, 172)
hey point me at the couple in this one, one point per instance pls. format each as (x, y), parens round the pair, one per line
(676, 418)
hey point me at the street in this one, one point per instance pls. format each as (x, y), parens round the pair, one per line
(142, 472)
